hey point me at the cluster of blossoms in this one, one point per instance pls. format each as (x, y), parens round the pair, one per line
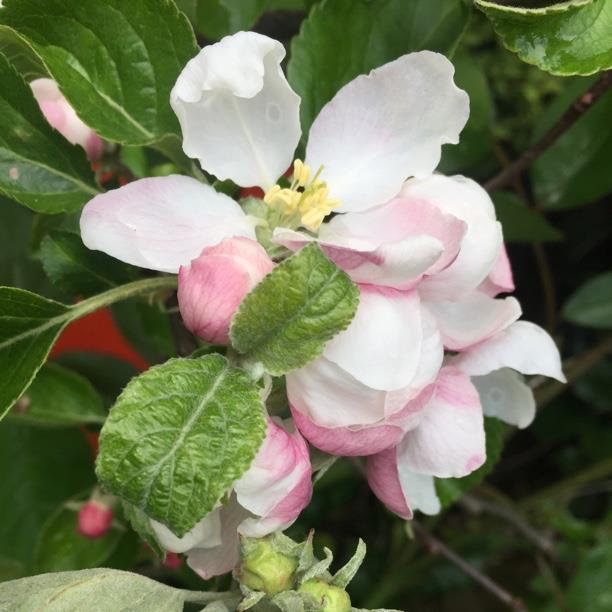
(431, 349)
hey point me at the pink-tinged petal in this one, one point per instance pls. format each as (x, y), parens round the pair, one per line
(277, 486)
(481, 244)
(64, 119)
(504, 395)
(524, 347)
(400, 219)
(399, 489)
(213, 286)
(391, 245)
(472, 319)
(500, 279)
(161, 223)
(331, 397)
(361, 440)
(383, 478)
(382, 128)
(210, 561)
(450, 439)
(382, 346)
(238, 114)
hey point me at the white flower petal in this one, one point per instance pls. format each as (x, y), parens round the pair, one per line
(161, 223)
(524, 347)
(206, 532)
(238, 114)
(419, 490)
(382, 128)
(504, 395)
(449, 442)
(382, 346)
(472, 319)
(331, 397)
(481, 244)
(209, 560)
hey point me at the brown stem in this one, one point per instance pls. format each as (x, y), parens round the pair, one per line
(477, 506)
(436, 547)
(576, 110)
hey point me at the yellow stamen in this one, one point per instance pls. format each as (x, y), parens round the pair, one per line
(306, 202)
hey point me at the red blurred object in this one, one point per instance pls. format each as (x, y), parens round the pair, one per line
(97, 333)
(95, 519)
(173, 561)
(251, 192)
(92, 438)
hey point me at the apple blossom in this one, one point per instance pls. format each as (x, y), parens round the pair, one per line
(63, 118)
(268, 497)
(449, 442)
(211, 288)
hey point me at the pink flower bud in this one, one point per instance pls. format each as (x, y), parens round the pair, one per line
(95, 519)
(212, 287)
(62, 117)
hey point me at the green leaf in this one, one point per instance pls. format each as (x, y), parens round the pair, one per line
(58, 396)
(575, 170)
(591, 305)
(449, 490)
(178, 437)
(61, 547)
(147, 328)
(38, 167)
(108, 590)
(75, 269)
(17, 266)
(218, 18)
(591, 588)
(522, 224)
(553, 38)
(115, 61)
(142, 526)
(20, 54)
(322, 60)
(39, 469)
(107, 374)
(476, 140)
(285, 321)
(29, 325)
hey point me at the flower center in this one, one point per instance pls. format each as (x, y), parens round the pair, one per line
(305, 202)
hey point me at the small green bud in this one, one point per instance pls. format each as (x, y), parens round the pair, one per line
(332, 598)
(265, 569)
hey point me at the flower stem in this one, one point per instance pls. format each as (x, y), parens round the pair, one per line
(117, 294)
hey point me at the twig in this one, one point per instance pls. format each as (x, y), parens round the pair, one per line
(477, 506)
(577, 109)
(553, 584)
(600, 470)
(436, 547)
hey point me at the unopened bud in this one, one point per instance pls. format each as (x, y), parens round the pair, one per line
(95, 519)
(211, 288)
(265, 569)
(330, 598)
